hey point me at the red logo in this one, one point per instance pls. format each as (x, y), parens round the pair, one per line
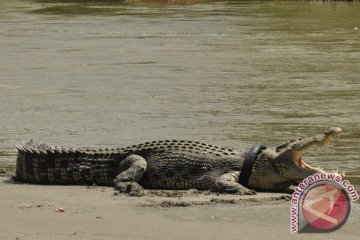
(325, 207)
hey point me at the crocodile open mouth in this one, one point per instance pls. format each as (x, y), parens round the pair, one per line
(303, 165)
(300, 163)
(290, 162)
(301, 170)
(297, 158)
(316, 141)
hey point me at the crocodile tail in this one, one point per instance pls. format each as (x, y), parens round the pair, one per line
(54, 165)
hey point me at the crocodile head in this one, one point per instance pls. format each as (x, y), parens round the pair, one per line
(285, 164)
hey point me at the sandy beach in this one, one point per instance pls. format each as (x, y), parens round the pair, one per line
(115, 73)
(98, 213)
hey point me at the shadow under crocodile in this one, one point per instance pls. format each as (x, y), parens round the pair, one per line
(164, 198)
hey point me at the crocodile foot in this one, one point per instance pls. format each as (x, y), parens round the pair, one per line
(245, 191)
(131, 188)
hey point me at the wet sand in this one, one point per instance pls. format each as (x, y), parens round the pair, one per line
(92, 212)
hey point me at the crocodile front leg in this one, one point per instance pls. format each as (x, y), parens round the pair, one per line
(229, 183)
(131, 171)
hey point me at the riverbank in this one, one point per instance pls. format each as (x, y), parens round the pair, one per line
(79, 212)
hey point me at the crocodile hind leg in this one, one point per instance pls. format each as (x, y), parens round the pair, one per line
(131, 170)
(229, 183)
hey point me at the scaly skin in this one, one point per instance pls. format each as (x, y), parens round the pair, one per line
(169, 164)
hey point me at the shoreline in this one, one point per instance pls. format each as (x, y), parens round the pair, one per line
(93, 212)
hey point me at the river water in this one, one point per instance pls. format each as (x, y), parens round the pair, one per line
(232, 73)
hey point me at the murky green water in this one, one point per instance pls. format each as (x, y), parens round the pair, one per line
(112, 73)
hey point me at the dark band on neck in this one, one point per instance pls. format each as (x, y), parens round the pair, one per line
(247, 167)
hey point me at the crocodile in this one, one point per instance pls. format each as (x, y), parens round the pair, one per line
(173, 164)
